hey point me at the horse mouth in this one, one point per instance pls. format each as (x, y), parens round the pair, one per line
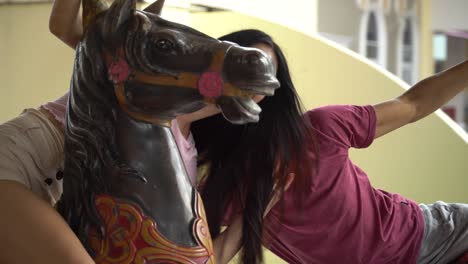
(238, 110)
(242, 110)
(266, 88)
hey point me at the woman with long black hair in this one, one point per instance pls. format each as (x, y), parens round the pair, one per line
(245, 161)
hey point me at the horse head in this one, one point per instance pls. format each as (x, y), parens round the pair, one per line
(162, 69)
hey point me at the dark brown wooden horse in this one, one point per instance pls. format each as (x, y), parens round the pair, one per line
(126, 191)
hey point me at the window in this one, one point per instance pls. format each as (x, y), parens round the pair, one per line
(373, 34)
(440, 51)
(407, 48)
(408, 63)
(372, 43)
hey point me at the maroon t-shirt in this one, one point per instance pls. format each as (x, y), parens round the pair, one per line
(344, 219)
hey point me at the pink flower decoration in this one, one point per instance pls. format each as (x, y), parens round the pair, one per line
(210, 84)
(119, 71)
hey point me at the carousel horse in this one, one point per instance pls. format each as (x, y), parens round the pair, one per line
(126, 194)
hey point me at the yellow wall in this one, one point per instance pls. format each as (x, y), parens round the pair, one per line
(34, 66)
(425, 161)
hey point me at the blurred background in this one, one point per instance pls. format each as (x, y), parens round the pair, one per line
(340, 52)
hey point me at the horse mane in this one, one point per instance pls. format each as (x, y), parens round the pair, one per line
(90, 145)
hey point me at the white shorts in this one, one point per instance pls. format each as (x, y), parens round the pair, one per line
(31, 152)
(445, 232)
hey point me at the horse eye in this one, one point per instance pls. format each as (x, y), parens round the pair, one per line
(164, 45)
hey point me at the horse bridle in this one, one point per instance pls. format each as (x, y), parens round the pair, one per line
(210, 83)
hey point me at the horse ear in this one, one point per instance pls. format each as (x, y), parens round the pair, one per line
(91, 8)
(117, 19)
(155, 7)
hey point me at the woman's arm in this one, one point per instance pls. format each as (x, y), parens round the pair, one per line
(65, 21)
(422, 99)
(228, 243)
(33, 232)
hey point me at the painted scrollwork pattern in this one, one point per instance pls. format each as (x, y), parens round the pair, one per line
(132, 237)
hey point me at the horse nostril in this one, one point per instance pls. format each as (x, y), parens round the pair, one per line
(252, 59)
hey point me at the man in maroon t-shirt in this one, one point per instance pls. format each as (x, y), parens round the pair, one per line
(348, 221)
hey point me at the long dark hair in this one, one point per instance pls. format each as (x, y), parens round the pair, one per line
(89, 137)
(244, 161)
